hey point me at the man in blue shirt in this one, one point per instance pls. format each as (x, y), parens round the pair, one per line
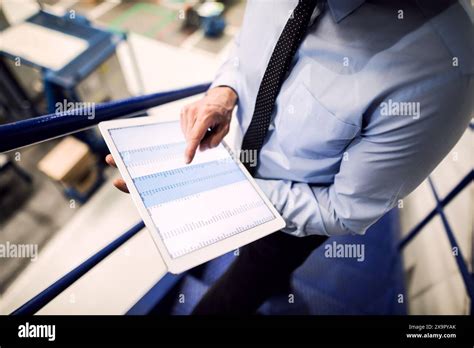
(348, 106)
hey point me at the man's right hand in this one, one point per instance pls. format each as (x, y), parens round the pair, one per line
(214, 111)
(206, 122)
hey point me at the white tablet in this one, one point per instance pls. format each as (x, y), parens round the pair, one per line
(194, 212)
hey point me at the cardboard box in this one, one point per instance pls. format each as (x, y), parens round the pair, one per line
(69, 162)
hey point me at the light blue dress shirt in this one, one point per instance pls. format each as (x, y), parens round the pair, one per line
(378, 94)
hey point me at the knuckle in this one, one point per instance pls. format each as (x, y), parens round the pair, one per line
(194, 139)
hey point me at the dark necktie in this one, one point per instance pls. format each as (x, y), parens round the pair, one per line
(279, 64)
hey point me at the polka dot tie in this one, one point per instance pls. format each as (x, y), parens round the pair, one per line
(279, 64)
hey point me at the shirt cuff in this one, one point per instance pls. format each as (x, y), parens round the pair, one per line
(227, 79)
(276, 191)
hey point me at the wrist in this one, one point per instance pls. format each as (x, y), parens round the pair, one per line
(226, 94)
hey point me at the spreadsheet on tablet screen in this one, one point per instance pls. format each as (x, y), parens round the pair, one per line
(192, 205)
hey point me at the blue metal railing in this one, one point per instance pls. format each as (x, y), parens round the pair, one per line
(46, 127)
(467, 277)
(48, 294)
(468, 282)
(442, 203)
(30, 131)
(34, 130)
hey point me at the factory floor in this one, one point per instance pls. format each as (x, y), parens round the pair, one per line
(155, 19)
(26, 213)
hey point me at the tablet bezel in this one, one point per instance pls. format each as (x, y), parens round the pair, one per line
(209, 252)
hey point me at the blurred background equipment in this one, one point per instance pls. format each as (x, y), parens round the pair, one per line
(72, 164)
(63, 59)
(212, 22)
(15, 186)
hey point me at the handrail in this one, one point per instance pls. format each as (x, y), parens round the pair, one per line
(444, 202)
(438, 210)
(466, 276)
(30, 131)
(48, 294)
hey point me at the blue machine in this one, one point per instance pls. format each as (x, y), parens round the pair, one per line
(212, 22)
(92, 75)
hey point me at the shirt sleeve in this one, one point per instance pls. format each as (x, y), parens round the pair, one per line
(390, 158)
(228, 73)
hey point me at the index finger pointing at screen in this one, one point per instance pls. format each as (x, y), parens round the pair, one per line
(197, 133)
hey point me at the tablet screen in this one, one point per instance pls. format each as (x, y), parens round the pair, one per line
(192, 205)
